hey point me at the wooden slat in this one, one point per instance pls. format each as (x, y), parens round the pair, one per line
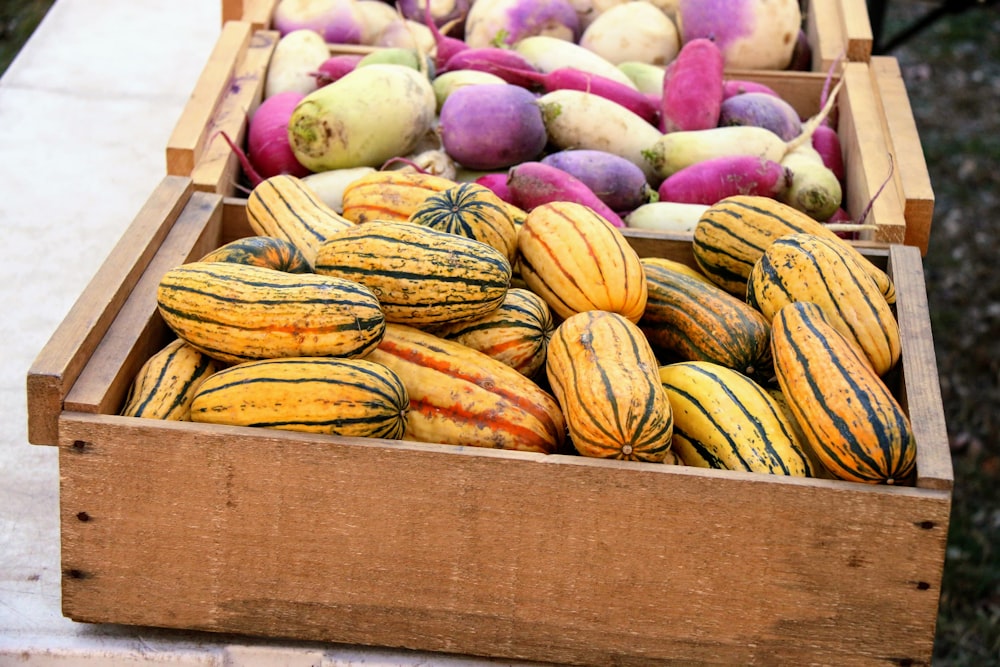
(70, 347)
(921, 394)
(504, 554)
(867, 155)
(191, 133)
(857, 30)
(136, 332)
(258, 13)
(218, 168)
(911, 176)
(826, 34)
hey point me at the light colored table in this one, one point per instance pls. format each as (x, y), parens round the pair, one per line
(85, 113)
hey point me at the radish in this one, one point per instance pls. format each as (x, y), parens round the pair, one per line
(575, 119)
(826, 141)
(505, 22)
(444, 47)
(491, 59)
(334, 67)
(267, 138)
(732, 87)
(692, 88)
(569, 78)
(619, 183)
(439, 12)
(376, 16)
(676, 150)
(296, 57)
(549, 53)
(750, 34)
(713, 180)
(813, 188)
(666, 216)
(633, 31)
(329, 185)
(447, 83)
(532, 184)
(761, 110)
(644, 76)
(338, 21)
(497, 183)
(491, 126)
(370, 115)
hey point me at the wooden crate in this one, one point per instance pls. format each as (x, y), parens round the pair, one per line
(910, 175)
(196, 148)
(467, 550)
(838, 30)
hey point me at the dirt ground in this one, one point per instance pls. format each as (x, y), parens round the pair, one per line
(952, 73)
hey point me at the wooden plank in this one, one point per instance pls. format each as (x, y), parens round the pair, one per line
(70, 347)
(217, 168)
(259, 13)
(921, 392)
(868, 156)
(190, 134)
(232, 10)
(518, 556)
(857, 30)
(826, 34)
(137, 332)
(910, 166)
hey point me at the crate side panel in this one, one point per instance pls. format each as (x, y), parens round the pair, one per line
(825, 32)
(490, 553)
(66, 353)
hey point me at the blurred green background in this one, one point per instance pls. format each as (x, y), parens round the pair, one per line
(952, 72)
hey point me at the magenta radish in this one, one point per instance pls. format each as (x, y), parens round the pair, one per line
(267, 137)
(713, 180)
(497, 183)
(621, 185)
(444, 46)
(532, 184)
(491, 126)
(440, 13)
(335, 67)
(692, 88)
(732, 87)
(826, 141)
(568, 78)
(761, 110)
(491, 59)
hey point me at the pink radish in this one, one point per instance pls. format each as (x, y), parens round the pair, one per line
(826, 141)
(619, 183)
(574, 79)
(713, 180)
(535, 183)
(492, 59)
(268, 152)
(693, 88)
(335, 67)
(497, 182)
(445, 47)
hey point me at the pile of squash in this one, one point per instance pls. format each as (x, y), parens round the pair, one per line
(432, 310)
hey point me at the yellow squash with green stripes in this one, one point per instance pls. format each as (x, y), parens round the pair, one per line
(267, 251)
(723, 419)
(234, 312)
(805, 267)
(461, 396)
(390, 194)
(517, 333)
(471, 210)
(577, 261)
(695, 320)
(345, 397)
(853, 423)
(733, 233)
(421, 276)
(287, 208)
(165, 385)
(604, 375)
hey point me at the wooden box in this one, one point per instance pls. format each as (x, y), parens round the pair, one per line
(466, 550)
(231, 87)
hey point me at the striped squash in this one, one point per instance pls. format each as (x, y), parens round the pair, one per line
(234, 312)
(473, 211)
(733, 233)
(517, 333)
(577, 261)
(803, 267)
(421, 276)
(723, 419)
(674, 265)
(698, 321)
(854, 424)
(603, 373)
(460, 396)
(390, 195)
(267, 251)
(285, 207)
(165, 385)
(345, 397)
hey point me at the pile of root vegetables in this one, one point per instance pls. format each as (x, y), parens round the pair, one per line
(626, 107)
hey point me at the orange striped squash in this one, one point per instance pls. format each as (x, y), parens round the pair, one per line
(390, 195)
(853, 423)
(606, 379)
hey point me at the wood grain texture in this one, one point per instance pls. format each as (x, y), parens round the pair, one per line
(68, 350)
(911, 175)
(191, 133)
(921, 387)
(825, 32)
(857, 30)
(137, 332)
(556, 558)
